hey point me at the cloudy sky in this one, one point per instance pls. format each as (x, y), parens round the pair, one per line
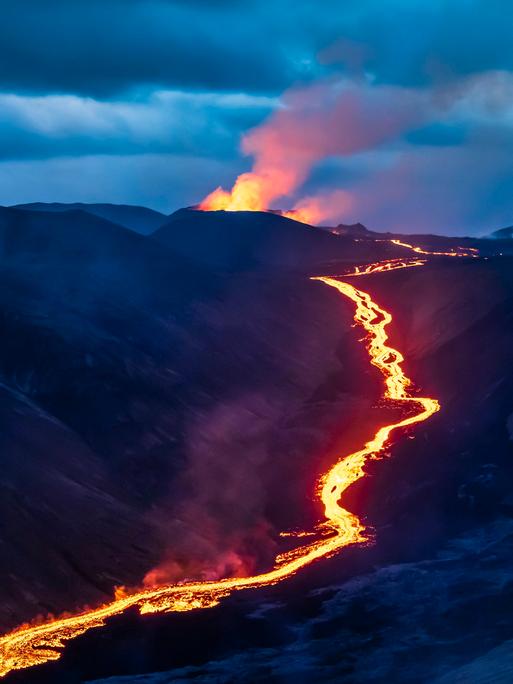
(146, 102)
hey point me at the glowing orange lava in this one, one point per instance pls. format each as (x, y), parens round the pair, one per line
(36, 644)
(248, 194)
(256, 192)
(457, 252)
(384, 266)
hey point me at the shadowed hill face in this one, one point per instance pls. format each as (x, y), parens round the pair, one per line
(160, 414)
(441, 508)
(157, 374)
(57, 499)
(88, 313)
(139, 219)
(84, 250)
(353, 229)
(503, 233)
(433, 592)
(249, 240)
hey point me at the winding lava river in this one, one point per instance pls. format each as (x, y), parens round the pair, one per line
(32, 645)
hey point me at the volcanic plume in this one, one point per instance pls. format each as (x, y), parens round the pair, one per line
(331, 118)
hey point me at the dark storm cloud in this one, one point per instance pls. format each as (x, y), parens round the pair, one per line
(105, 47)
(416, 42)
(146, 100)
(101, 48)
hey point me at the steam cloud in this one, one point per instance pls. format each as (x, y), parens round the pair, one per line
(342, 118)
(331, 118)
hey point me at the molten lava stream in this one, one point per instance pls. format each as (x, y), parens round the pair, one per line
(383, 266)
(36, 644)
(471, 252)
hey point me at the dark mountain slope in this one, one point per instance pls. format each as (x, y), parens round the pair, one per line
(103, 251)
(163, 376)
(434, 593)
(204, 405)
(139, 219)
(87, 312)
(64, 522)
(241, 241)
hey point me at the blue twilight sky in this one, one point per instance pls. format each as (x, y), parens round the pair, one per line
(145, 101)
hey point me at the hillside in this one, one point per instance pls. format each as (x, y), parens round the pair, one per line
(139, 219)
(242, 241)
(119, 361)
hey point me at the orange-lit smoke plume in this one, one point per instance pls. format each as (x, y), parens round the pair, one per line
(323, 120)
(321, 207)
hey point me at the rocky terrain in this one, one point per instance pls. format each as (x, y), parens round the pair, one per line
(209, 375)
(133, 378)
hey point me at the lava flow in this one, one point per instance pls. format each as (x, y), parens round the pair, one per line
(458, 252)
(36, 644)
(383, 266)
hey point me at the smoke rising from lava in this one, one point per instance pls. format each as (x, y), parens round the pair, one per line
(202, 537)
(329, 119)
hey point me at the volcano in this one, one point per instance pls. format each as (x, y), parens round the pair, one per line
(253, 240)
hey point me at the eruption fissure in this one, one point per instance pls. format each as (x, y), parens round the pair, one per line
(32, 645)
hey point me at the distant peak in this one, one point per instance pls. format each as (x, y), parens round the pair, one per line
(503, 233)
(351, 229)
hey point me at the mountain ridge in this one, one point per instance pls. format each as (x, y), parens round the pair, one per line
(138, 218)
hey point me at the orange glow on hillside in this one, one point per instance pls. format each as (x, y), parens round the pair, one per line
(305, 215)
(32, 645)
